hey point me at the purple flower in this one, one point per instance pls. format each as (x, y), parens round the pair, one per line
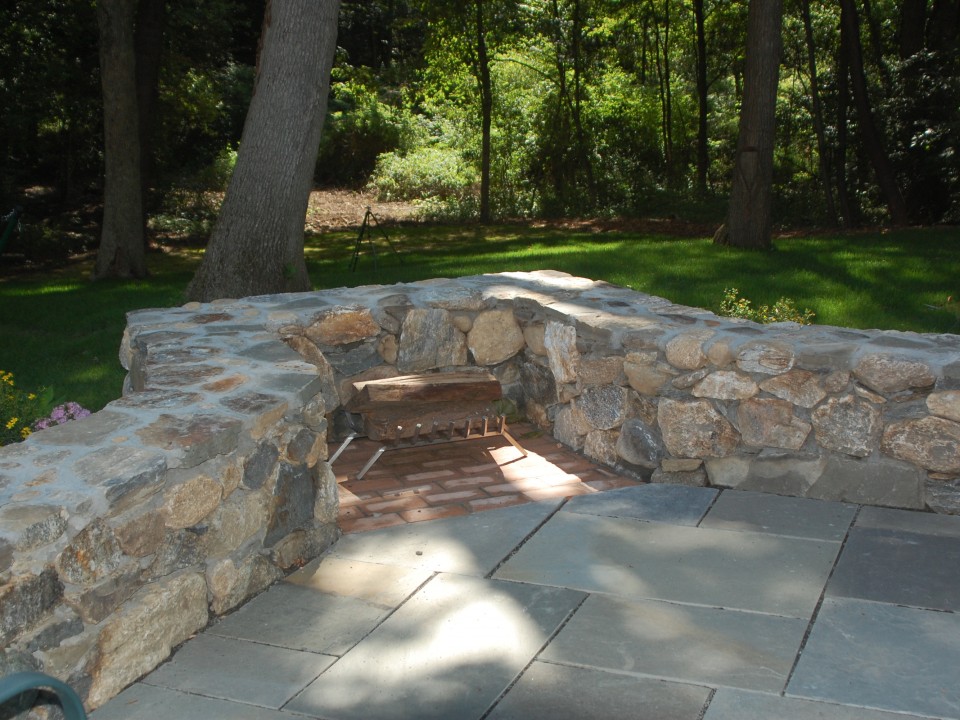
(61, 414)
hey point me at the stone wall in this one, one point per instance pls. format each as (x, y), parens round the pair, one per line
(121, 534)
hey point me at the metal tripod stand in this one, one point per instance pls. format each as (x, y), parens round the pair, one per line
(369, 221)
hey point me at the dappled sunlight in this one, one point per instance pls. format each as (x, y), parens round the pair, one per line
(454, 646)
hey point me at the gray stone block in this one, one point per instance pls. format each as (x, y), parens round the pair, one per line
(549, 692)
(702, 645)
(869, 654)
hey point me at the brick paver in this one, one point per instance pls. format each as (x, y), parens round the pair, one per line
(444, 480)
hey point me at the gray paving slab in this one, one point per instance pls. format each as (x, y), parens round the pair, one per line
(300, 618)
(554, 692)
(448, 652)
(380, 584)
(237, 670)
(900, 567)
(882, 656)
(468, 545)
(148, 702)
(675, 504)
(680, 642)
(730, 704)
(763, 512)
(913, 521)
(742, 570)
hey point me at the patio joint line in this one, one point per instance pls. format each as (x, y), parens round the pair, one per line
(816, 610)
(536, 655)
(523, 541)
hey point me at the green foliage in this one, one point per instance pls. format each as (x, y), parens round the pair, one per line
(434, 174)
(20, 409)
(43, 242)
(783, 310)
(359, 128)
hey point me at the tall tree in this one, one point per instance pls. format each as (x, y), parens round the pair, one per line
(703, 138)
(751, 195)
(482, 72)
(869, 132)
(121, 250)
(816, 111)
(257, 243)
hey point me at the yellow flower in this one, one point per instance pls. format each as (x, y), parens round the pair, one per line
(25, 432)
(32, 396)
(11, 422)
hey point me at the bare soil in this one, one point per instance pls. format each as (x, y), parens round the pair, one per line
(342, 209)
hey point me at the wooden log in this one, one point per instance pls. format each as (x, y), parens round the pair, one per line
(452, 387)
(400, 420)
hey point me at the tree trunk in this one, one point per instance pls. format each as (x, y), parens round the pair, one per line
(751, 196)
(486, 112)
(849, 213)
(121, 242)
(823, 151)
(703, 157)
(257, 243)
(871, 136)
(913, 17)
(148, 45)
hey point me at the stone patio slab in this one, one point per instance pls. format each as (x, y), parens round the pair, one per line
(899, 567)
(300, 618)
(380, 584)
(882, 656)
(720, 568)
(238, 670)
(469, 545)
(147, 702)
(676, 504)
(684, 643)
(730, 704)
(448, 652)
(780, 515)
(923, 523)
(551, 692)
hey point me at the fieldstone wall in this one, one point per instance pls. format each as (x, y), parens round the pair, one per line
(121, 534)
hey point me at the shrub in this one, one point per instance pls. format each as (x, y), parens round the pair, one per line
(19, 409)
(434, 174)
(783, 310)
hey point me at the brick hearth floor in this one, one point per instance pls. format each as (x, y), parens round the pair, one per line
(443, 480)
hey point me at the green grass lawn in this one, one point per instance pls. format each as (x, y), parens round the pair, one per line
(58, 329)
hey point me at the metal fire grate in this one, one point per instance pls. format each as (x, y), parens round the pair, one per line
(415, 410)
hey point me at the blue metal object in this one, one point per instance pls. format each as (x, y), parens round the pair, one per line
(18, 683)
(12, 220)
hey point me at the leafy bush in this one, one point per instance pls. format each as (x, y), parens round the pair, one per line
(358, 129)
(20, 409)
(43, 242)
(783, 310)
(190, 208)
(432, 172)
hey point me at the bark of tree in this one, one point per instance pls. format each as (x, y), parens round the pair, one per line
(849, 213)
(486, 110)
(662, 47)
(823, 150)
(257, 243)
(751, 195)
(148, 46)
(121, 252)
(703, 157)
(872, 141)
(913, 16)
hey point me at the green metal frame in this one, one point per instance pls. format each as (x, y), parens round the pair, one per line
(16, 684)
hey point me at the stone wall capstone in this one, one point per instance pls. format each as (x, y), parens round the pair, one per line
(121, 534)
